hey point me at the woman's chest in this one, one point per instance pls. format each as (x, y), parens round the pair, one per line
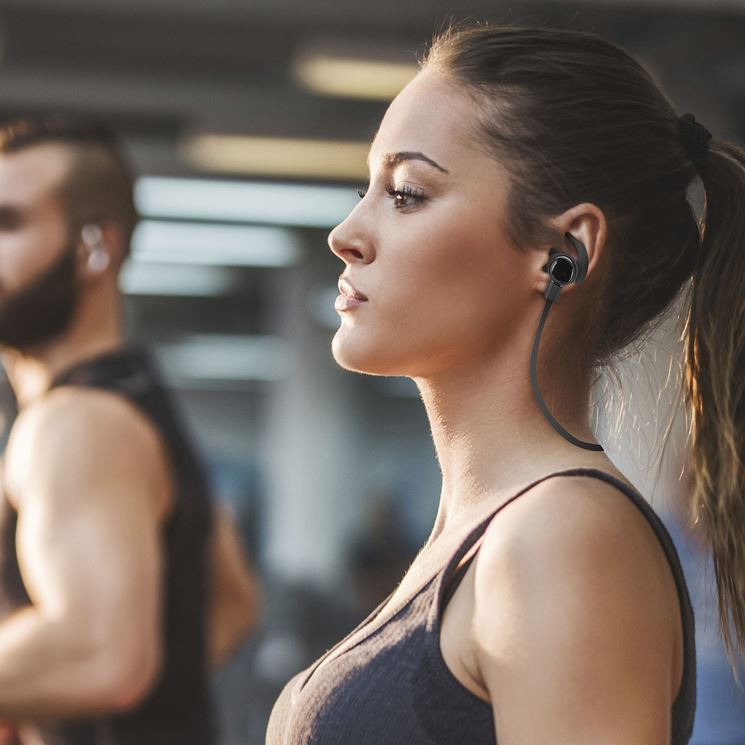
(388, 687)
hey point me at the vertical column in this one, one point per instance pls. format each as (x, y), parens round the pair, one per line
(311, 451)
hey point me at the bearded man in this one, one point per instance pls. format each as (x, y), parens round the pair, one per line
(118, 583)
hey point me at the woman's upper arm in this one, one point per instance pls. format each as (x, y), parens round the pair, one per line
(573, 629)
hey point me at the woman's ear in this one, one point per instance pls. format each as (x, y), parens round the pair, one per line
(585, 222)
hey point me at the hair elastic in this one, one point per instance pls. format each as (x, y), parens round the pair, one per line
(694, 138)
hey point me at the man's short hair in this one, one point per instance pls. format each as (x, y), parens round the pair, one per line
(99, 185)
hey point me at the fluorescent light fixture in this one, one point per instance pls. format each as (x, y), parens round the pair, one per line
(162, 242)
(138, 278)
(348, 77)
(302, 205)
(215, 357)
(275, 156)
(320, 306)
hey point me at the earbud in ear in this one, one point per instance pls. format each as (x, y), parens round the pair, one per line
(98, 260)
(98, 255)
(564, 269)
(92, 235)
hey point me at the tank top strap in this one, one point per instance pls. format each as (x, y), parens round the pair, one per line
(471, 544)
(127, 370)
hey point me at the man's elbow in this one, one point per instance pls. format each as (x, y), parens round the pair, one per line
(250, 612)
(232, 623)
(243, 610)
(126, 680)
(252, 607)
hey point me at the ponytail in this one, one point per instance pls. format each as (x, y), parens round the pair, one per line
(714, 384)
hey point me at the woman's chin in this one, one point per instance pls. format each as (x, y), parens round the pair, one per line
(361, 356)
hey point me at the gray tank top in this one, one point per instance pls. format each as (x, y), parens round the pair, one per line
(391, 685)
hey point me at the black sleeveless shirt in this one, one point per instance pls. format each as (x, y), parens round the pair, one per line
(391, 685)
(177, 711)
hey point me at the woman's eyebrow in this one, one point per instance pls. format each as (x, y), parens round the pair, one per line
(393, 159)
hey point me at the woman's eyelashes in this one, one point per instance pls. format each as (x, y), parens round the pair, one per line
(406, 196)
(403, 197)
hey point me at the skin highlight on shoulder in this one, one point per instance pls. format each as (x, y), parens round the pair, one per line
(574, 613)
(76, 428)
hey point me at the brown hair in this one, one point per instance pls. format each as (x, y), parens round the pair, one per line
(99, 185)
(574, 118)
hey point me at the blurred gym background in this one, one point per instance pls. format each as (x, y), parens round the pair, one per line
(248, 124)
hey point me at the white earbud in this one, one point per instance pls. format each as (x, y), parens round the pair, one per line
(98, 256)
(98, 260)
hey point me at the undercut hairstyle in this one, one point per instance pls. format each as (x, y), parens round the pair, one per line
(99, 185)
(574, 118)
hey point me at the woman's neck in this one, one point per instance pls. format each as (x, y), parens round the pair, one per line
(491, 437)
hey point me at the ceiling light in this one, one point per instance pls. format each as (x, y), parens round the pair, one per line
(347, 77)
(274, 156)
(163, 242)
(320, 307)
(138, 278)
(302, 205)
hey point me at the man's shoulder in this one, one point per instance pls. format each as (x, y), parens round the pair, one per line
(79, 429)
(79, 413)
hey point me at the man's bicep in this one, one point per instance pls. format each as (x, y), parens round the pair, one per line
(91, 559)
(88, 529)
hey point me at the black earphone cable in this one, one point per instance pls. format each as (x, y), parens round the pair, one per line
(536, 391)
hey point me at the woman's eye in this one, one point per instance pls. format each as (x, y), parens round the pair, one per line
(406, 196)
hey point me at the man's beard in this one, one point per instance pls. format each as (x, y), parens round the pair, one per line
(44, 309)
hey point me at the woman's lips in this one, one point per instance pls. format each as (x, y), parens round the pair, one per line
(349, 297)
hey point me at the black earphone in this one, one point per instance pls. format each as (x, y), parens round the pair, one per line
(562, 270)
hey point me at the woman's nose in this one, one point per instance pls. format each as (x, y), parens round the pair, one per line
(350, 244)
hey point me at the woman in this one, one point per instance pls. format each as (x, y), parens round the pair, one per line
(521, 167)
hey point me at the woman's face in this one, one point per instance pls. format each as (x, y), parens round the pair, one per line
(431, 281)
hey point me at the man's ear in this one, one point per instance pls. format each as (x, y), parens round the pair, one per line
(112, 237)
(101, 245)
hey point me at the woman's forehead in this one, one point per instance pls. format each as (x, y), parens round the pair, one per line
(429, 116)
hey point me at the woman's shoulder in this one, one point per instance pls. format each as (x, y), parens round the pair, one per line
(574, 603)
(575, 618)
(573, 555)
(573, 514)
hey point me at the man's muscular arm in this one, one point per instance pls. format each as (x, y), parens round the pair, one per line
(88, 477)
(235, 594)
